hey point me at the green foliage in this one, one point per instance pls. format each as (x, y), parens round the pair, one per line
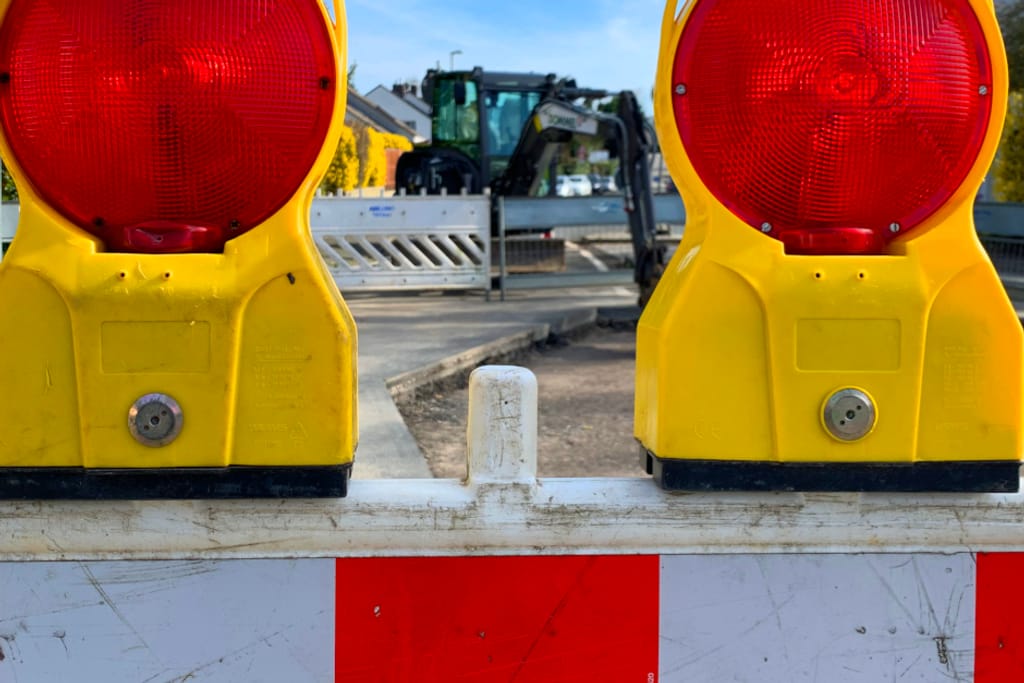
(399, 142)
(1011, 21)
(343, 173)
(374, 160)
(569, 158)
(362, 151)
(10, 192)
(1008, 170)
(360, 160)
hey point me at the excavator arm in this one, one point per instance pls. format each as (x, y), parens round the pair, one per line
(552, 123)
(626, 135)
(638, 142)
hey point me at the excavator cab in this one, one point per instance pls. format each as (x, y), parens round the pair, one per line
(502, 130)
(478, 119)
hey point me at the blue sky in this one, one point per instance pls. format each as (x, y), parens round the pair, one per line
(602, 43)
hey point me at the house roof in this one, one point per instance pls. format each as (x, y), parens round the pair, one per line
(398, 102)
(366, 112)
(417, 103)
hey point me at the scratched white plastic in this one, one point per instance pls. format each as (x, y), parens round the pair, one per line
(249, 620)
(484, 516)
(502, 426)
(792, 618)
(817, 618)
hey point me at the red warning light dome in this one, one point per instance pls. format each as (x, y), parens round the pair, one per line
(166, 126)
(832, 126)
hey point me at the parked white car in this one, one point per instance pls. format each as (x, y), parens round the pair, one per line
(563, 188)
(573, 186)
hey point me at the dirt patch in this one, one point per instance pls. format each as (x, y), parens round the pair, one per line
(585, 387)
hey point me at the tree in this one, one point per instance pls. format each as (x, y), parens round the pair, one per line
(1011, 20)
(1008, 169)
(374, 164)
(343, 173)
(394, 141)
(10, 192)
(361, 159)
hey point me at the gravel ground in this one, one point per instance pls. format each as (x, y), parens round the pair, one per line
(585, 409)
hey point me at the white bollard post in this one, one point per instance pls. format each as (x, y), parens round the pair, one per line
(502, 432)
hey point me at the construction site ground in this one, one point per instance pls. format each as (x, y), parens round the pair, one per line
(416, 353)
(585, 415)
(409, 343)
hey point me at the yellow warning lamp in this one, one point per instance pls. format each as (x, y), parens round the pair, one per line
(830, 320)
(167, 327)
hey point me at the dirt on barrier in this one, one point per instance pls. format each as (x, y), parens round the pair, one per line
(585, 387)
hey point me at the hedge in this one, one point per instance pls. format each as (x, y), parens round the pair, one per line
(360, 160)
(1008, 170)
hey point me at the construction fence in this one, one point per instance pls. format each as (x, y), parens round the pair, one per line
(485, 243)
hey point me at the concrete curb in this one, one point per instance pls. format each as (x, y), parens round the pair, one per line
(407, 383)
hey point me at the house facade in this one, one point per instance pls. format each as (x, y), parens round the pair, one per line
(403, 104)
(361, 111)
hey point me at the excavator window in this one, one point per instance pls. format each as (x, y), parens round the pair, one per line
(506, 114)
(457, 119)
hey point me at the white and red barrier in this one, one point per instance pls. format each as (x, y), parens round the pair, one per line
(506, 577)
(923, 617)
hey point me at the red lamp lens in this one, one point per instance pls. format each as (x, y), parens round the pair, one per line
(166, 126)
(836, 125)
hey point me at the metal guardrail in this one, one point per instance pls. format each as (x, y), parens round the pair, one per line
(1001, 231)
(577, 218)
(526, 213)
(999, 219)
(444, 242)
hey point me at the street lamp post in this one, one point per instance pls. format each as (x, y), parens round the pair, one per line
(451, 59)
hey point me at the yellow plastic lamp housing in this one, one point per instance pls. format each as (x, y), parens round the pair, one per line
(167, 326)
(830, 320)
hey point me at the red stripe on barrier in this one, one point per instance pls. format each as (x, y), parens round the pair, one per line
(476, 619)
(999, 619)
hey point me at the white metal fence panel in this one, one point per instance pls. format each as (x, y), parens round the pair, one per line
(405, 242)
(389, 243)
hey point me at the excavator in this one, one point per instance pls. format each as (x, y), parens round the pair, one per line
(501, 131)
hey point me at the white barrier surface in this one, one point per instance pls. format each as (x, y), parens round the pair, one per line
(253, 620)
